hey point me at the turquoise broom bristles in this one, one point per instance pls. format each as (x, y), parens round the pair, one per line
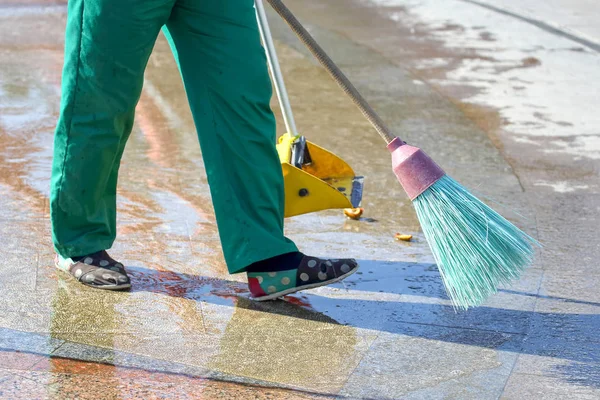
(475, 248)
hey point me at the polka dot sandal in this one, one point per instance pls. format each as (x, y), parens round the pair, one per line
(312, 272)
(97, 270)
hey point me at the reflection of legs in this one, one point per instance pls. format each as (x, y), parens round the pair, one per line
(261, 341)
(107, 48)
(74, 315)
(218, 49)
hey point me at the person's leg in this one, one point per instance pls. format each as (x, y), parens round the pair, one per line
(217, 46)
(108, 43)
(223, 65)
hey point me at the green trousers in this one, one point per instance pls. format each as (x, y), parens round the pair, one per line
(217, 46)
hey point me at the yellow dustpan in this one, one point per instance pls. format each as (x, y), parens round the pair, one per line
(315, 179)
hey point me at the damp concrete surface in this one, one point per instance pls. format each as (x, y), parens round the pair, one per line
(507, 107)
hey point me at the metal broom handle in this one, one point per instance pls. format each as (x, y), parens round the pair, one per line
(333, 70)
(284, 101)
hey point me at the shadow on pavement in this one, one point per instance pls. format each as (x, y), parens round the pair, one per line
(564, 336)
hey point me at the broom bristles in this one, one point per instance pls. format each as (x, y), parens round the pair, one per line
(475, 248)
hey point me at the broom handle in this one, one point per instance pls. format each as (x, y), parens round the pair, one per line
(333, 70)
(284, 101)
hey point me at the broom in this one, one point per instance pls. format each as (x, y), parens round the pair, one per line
(475, 248)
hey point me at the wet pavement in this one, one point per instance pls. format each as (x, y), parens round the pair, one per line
(491, 114)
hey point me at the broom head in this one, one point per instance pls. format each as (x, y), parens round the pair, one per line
(475, 248)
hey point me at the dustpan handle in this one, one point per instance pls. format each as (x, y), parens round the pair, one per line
(333, 70)
(284, 101)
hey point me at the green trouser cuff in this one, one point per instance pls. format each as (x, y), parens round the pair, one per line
(78, 250)
(239, 264)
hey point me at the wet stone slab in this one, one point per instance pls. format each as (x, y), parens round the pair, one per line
(523, 386)
(435, 362)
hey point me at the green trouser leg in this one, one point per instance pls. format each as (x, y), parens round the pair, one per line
(223, 64)
(224, 69)
(108, 43)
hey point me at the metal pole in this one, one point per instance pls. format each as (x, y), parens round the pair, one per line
(284, 101)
